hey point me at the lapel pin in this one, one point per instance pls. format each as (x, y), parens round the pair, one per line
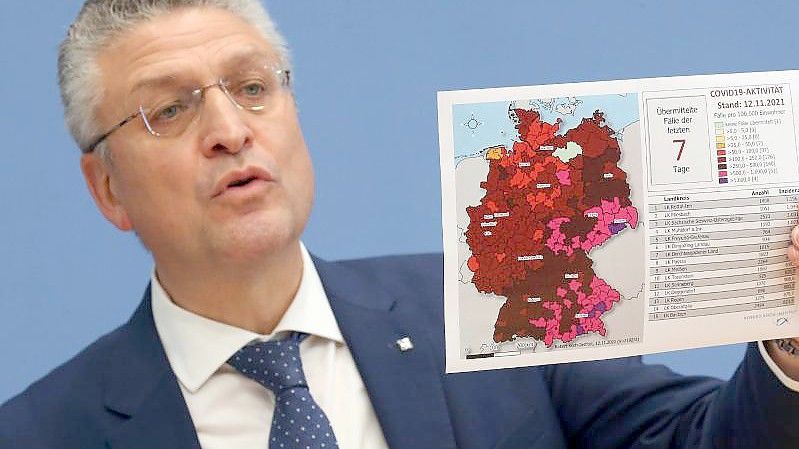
(404, 344)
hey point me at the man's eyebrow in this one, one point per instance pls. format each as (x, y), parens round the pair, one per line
(163, 80)
(233, 60)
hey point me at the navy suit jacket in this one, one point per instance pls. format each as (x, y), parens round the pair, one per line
(120, 392)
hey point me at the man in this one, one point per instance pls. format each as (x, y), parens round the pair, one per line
(243, 340)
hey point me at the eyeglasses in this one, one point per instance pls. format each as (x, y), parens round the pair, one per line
(167, 111)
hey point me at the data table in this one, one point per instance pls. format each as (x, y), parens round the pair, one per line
(720, 252)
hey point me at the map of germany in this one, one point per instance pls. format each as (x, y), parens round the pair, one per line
(549, 201)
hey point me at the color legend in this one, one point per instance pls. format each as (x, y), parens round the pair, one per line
(721, 152)
(751, 133)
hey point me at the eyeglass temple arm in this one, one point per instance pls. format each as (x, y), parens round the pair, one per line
(100, 139)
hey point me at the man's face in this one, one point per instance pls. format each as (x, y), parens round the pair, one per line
(181, 194)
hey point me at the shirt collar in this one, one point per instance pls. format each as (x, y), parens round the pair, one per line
(197, 347)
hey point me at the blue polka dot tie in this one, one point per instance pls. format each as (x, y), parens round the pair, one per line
(298, 421)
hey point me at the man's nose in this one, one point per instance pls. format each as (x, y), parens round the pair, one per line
(222, 124)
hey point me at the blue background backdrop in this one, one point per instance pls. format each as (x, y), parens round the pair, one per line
(367, 73)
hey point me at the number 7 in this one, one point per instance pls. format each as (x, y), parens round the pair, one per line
(682, 146)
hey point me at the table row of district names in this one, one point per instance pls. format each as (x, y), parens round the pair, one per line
(781, 217)
(717, 263)
(726, 250)
(656, 205)
(721, 310)
(782, 232)
(729, 281)
(742, 210)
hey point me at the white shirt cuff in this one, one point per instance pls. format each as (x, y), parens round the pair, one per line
(787, 381)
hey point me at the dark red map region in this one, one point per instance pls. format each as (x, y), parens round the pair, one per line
(541, 215)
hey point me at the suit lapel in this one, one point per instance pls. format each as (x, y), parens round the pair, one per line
(405, 388)
(142, 388)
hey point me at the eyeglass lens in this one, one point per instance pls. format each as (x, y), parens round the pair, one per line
(168, 111)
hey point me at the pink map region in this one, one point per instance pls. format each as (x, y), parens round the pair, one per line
(611, 219)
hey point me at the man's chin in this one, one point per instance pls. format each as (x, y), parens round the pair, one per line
(254, 242)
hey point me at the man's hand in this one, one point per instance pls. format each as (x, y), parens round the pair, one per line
(787, 362)
(793, 250)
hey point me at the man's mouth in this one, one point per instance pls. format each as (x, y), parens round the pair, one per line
(241, 179)
(242, 182)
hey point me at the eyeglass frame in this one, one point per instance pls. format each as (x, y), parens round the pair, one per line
(199, 91)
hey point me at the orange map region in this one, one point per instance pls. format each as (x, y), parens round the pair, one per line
(540, 217)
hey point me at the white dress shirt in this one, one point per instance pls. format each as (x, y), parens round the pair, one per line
(231, 411)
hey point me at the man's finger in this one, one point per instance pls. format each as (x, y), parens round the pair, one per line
(793, 255)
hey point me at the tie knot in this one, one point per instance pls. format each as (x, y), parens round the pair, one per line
(275, 364)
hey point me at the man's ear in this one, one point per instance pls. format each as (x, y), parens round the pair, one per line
(97, 174)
